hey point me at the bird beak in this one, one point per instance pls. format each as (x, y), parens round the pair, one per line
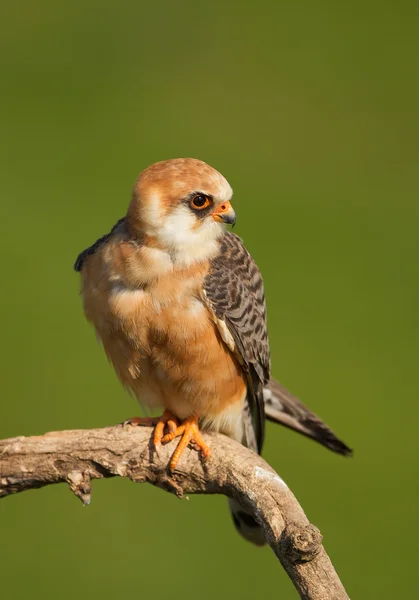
(225, 214)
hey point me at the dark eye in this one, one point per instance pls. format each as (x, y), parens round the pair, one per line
(200, 201)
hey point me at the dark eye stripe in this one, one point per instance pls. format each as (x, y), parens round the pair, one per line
(200, 204)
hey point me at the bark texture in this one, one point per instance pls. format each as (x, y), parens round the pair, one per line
(76, 457)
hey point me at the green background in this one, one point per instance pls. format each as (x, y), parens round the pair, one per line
(310, 109)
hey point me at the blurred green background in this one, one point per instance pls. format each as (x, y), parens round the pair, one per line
(311, 111)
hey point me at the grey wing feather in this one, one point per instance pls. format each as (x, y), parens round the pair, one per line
(234, 288)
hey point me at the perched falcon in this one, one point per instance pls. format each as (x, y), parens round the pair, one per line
(179, 306)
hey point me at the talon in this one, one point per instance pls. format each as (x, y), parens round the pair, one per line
(142, 421)
(171, 425)
(189, 430)
(159, 423)
(174, 433)
(162, 421)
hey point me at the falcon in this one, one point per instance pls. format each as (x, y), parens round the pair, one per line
(178, 304)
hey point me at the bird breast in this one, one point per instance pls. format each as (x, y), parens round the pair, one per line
(158, 332)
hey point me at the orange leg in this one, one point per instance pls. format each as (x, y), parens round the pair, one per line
(159, 423)
(190, 433)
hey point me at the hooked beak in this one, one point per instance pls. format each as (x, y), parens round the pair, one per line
(225, 214)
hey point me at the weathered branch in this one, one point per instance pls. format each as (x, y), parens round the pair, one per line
(77, 457)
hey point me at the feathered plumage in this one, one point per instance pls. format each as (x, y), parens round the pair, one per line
(179, 305)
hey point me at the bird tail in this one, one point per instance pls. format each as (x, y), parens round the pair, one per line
(246, 524)
(244, 521)
(284, 408)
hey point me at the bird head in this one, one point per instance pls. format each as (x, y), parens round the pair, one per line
(183, 204)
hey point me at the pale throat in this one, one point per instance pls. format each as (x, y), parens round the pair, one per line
(179, 236)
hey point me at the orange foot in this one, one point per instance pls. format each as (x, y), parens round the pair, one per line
(159, 423)
(190, 433)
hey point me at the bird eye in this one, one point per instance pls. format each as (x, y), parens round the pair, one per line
(200, 201)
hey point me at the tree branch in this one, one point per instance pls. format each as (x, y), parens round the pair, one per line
(78, 456)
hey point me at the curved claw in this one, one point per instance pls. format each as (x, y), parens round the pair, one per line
(159, 423)
(189, 430)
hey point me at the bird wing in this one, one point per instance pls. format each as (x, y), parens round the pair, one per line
(78, 265)
(233, 289)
